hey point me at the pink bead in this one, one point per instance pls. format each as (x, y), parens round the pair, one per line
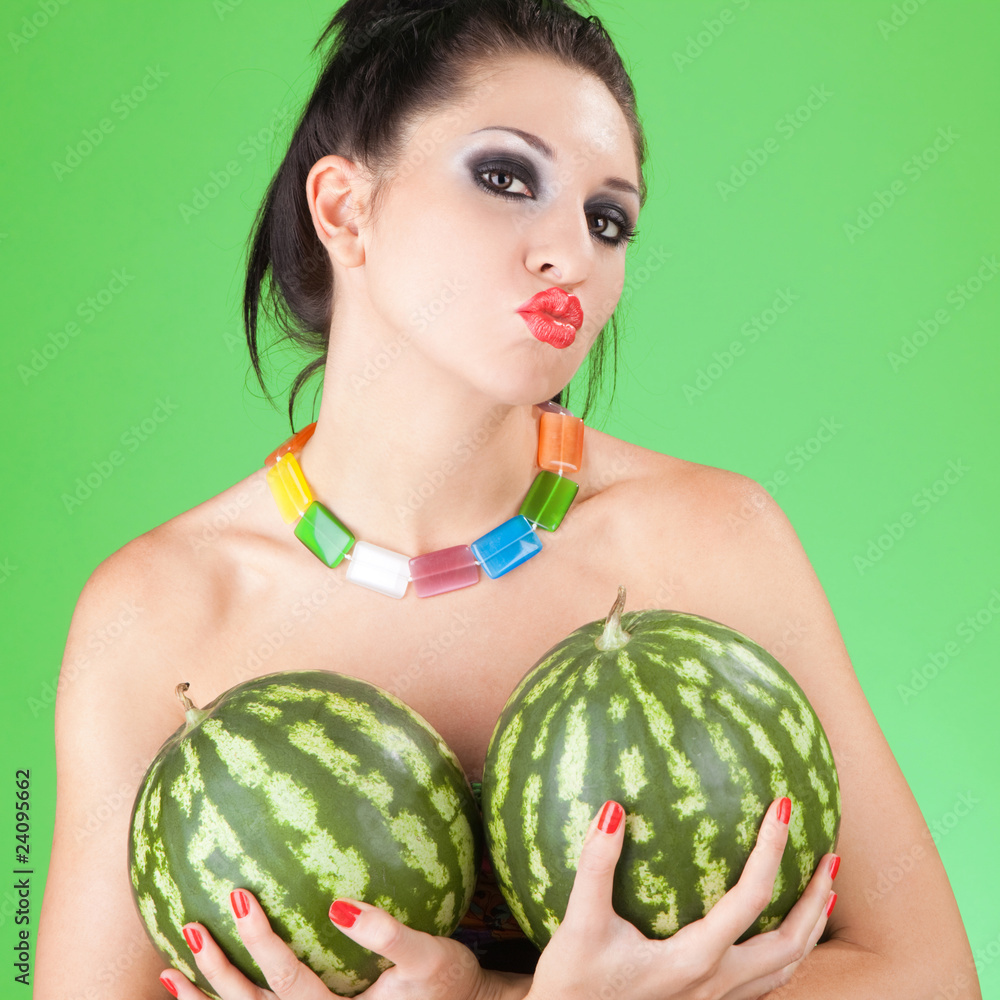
(443, 570)
(549, 407)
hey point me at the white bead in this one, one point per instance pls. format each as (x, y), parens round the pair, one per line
(379, 569)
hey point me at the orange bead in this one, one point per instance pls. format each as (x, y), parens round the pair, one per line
(560, 442)
(293, 444)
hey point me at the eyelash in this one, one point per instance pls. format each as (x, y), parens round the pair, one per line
(626, 232)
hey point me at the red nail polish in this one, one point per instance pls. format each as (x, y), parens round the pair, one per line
(834, 866)
(829, 907)
(240, 902)
(611, 817)
(193, 937)
(344, 914)
(784, 810)
(169, 985)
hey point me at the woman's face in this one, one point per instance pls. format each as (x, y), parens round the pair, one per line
(527, 185)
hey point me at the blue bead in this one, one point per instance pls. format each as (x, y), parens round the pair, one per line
(506, 546)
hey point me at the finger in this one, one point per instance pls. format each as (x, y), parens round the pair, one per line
(378, 931)
(589, 901)
(821, 922)
(224, 978)
(810, 912)
(178, 985)
(770, 958)
(743, 904)
(764, 985)
(287, 977)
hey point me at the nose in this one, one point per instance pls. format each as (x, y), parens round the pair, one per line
(559, 246)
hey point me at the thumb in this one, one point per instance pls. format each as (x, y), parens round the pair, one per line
(380, 932)
(590, 899)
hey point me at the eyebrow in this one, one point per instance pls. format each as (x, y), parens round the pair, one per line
(616, 183)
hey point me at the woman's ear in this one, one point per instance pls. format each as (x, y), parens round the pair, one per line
(333, 191)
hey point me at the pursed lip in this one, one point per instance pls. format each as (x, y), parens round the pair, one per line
(558, 304)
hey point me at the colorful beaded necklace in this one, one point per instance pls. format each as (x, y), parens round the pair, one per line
(560, 450)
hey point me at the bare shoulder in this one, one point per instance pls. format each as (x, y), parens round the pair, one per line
(147, 608)
(714, 542)
(729, 544)
(643, 474)
(661, 500)
(138, 594)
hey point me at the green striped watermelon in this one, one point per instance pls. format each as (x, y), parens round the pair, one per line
(302, 787)
(694, 729)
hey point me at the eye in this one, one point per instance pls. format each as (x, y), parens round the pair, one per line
(508, 175)
(514, 181)
(621, 230)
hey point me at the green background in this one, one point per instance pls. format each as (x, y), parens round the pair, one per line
(718, 85)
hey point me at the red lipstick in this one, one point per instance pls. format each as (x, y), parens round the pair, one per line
(553, 316)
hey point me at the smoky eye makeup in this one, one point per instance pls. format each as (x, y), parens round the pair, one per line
(504, 161)
(521, 181)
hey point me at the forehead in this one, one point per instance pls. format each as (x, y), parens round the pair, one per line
(571, 110)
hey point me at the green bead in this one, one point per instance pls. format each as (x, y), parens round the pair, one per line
(548, 500)
(324, 536)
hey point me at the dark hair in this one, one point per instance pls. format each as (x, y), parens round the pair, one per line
(388, 62)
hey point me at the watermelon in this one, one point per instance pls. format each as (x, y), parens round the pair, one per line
(694, 729)
(302, 787)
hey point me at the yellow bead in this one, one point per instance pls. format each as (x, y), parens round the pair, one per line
(289, 487)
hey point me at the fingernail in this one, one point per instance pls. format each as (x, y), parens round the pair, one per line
(784, 810)
(193, 937)
(829, 906)
(611, 817)
(834, 866)
(344, 914)
(240, 902)
(169, 985)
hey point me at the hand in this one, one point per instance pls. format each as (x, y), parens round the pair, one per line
(426, 966)
(595, 953)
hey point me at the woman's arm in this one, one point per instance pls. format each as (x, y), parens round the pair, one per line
(109, 725)
(885, 938)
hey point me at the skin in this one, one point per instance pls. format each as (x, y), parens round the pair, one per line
(227, 592)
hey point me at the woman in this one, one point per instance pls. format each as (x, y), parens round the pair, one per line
(455, 161)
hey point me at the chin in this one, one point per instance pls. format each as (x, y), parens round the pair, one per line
(519, 390)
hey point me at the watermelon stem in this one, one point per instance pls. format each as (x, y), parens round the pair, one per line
(614, 636)
(192, 714)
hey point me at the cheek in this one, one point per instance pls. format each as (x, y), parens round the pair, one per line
(437, 263)
(598, 312)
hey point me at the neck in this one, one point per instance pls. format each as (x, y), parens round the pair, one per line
(414, 460)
